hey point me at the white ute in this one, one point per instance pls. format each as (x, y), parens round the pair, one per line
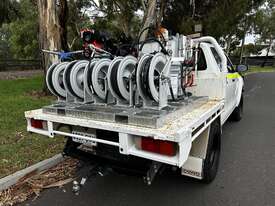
(188, 138)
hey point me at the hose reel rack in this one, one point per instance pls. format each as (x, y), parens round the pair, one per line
(122, 81)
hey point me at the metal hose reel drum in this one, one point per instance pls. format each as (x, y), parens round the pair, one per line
(77, 78)
(125, 72)
(66, 81)
(88, 77)
(99, 79)
(49, 79)
(156, 70)
(150, 70)
(54, 79)
(142, 69)
(112, 76)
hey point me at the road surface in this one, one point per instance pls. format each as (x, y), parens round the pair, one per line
(246, 173)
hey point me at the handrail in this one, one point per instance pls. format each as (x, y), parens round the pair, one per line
(213, 41)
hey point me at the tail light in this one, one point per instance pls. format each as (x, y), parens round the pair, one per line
(38, 124)
(158, 146)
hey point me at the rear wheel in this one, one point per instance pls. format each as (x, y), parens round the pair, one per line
(211, 162)
(237, 114)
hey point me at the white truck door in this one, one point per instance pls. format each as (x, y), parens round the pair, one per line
(230, 85)
(232, 78)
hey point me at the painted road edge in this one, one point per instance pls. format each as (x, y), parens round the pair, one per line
(12, 179)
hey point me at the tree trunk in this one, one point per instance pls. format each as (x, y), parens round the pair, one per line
(52, 30)
(228, 44)
(267, 53)
(160, 13)
(242, 48)
(149, 17)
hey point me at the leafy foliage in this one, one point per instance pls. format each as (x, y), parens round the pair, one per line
(77, 19)
(19, 37)
(120, 15)
(227, 20)
(9, 11)
(218, 17)
(265, 22)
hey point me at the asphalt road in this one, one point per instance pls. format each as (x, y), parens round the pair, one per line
(246, 174)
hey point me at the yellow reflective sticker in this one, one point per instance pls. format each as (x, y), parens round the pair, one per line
(233, 75)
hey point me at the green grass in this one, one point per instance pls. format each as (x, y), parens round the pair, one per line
(19, 149)
(254, 69)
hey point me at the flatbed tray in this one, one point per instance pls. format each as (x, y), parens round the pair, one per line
(150, 118)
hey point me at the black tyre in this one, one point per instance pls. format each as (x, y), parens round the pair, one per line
(211, 162)
(237, 114)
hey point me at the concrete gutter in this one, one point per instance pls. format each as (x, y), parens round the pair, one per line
(12, 179)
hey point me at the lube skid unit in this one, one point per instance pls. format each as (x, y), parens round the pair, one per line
(164, 103)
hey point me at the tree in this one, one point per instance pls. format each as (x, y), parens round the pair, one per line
(8, 10)
(218, 17)
(120, 15)
(265, 25)
(4, 42)
(77, 19)
(23, 39)
(19, 31)
(149, 17)
(52, 29)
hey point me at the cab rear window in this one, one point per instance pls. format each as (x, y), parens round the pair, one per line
(217, 57)
(202, 65)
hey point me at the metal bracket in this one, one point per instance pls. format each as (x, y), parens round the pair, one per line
(152, 172)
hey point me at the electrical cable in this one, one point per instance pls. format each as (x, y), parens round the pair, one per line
(163, 50)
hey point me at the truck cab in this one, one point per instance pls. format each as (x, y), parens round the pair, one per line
(218, 82)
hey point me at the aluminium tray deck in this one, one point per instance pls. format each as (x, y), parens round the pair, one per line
(149, 118)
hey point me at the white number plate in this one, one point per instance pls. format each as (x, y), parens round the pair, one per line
(84, 141)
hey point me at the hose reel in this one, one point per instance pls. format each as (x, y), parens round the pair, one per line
(99, 80)
(120, 78)
(77, 78)
(73, 80)
(88, 87)
(112, 76)
(151, 79)
(54, 79)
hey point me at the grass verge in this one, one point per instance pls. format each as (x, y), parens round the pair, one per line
(19, 149)
(254, 69)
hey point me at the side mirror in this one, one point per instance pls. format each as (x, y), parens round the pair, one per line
(241, 68)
